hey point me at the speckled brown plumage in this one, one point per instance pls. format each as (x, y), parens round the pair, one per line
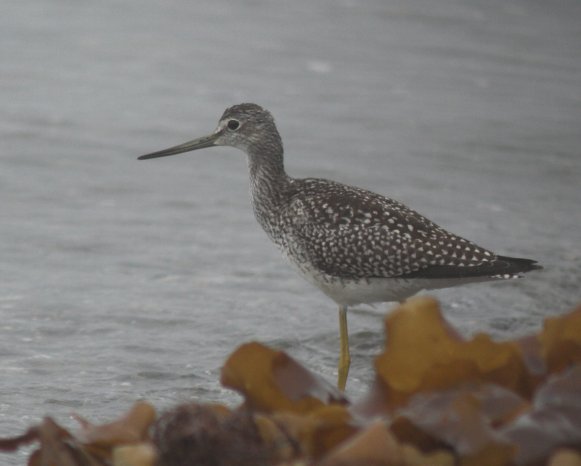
(354, 245)
(352, 233)
(345, 233)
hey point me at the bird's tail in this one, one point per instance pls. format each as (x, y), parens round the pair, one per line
(502, 267)
(513, 266)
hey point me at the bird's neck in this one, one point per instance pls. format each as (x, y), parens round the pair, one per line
(268, 179)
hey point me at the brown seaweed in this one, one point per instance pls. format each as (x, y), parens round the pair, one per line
(438, 399)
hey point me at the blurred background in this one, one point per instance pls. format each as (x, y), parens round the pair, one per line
(122, 279)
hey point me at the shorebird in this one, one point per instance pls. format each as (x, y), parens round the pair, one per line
(354, 245)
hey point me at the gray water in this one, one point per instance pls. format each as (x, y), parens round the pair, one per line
(122, 279)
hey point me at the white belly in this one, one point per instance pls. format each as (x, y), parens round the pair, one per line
(347, 292)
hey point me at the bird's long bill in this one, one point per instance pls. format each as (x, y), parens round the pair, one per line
(200, 143)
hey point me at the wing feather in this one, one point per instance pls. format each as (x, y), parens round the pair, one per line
(349, 232)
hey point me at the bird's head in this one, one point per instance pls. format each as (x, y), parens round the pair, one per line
(243, 126)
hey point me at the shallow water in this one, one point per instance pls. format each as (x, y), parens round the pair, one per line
(122, 279)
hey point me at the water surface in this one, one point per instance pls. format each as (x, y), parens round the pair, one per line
(122, 279)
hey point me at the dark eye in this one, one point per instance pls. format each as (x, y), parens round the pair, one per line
(233, 124)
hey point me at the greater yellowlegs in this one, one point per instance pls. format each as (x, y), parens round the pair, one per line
(355, 245)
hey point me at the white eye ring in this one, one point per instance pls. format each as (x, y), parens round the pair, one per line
(233, 124)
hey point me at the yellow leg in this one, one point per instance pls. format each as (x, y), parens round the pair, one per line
(344, 358)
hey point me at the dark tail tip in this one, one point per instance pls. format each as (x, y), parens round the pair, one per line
(518, 265)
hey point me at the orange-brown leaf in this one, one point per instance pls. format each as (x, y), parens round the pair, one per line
(270, 380)
(376, 446)
(132, 427)
(561, 341)
(423, 353)
(554, 421)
